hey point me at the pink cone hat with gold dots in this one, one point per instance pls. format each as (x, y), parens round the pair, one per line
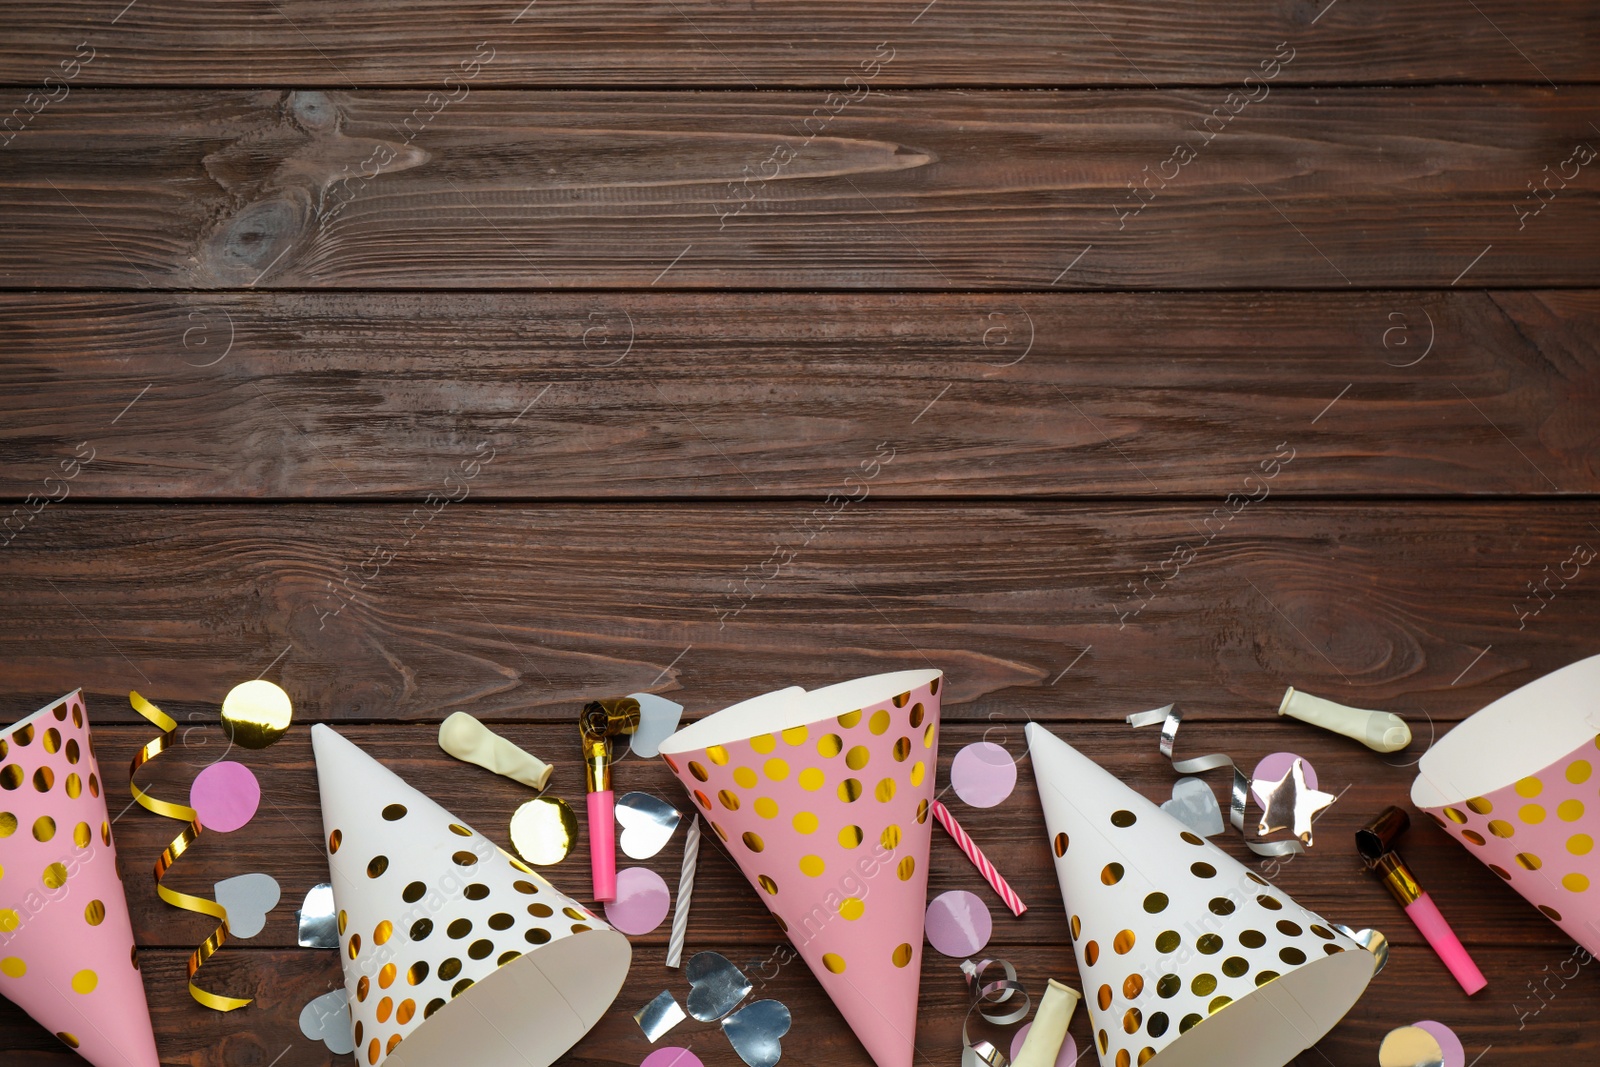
(453, 951)
(1516, 784)
(822, 799)
(66, 944)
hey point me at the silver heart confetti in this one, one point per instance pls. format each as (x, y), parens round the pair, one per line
(716, 986)
(319, 919)
(647, 822)
(658, 720)
(1195, 805)
(327, 1019)
(247, 899)
(756, 1032)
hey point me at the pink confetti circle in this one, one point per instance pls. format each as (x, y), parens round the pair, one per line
(1272, 768)
(225, 796)
(983, 774)
(958, 923)
(641, 903)
(1069, 1047)
(1455, 1055)
(672, 1056)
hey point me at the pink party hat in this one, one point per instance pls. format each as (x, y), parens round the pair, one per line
(1516, 784)
(453, 951)
(66, 944)
(1188, 959)
(822, 799)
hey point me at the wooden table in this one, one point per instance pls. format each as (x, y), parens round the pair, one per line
(462, 356)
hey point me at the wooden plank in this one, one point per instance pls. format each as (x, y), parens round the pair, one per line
(1323, 189)
(1413, 986)
(285, 839)
(614, 395)
(631, 43)
(378, 612)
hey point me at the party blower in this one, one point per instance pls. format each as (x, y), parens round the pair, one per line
(1170, 930)
(66, 943)
(823, 801)
(601, 722)
(453, 951)
(1515, 784)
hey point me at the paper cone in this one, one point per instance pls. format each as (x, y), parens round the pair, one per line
(66, 945)
(1187, 958)
(822, 799)
(454, 952)
(1516, 784)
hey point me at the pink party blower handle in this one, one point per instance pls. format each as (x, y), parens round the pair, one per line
(603, 846)
(1426, 915)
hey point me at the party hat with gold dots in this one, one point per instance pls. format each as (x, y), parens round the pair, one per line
(1516, 784)
(822, 799)
(453, 951)
(66, 945)
(1187, 958)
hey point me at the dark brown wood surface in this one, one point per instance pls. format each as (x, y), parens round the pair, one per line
(430, 357)
(626, 43)
(1306, 189)
(766, 395)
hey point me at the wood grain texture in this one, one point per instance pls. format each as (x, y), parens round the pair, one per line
(278, 396)
(376, 612)
(1325, 189)
(1032, 43)
(1508, 939)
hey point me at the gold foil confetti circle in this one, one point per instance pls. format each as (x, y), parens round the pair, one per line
(544, 830)
(256, 714)
(1410, 1046)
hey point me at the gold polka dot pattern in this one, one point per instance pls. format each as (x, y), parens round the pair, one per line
(844, 870)
(1168, 929)
(1538, 834)
(66, 928)
(435, 907)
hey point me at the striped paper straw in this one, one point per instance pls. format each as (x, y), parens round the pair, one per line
(680, 914)
(979, 860)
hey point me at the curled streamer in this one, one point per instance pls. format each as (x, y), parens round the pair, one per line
(1170, 719)
(180, 844)
(986, 993)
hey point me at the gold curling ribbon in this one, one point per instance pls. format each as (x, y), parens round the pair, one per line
(180, 844)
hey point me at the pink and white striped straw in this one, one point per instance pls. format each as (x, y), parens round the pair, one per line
(979, 860)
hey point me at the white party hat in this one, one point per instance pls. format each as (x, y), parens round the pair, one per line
(1187, 958)
(453, 951)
